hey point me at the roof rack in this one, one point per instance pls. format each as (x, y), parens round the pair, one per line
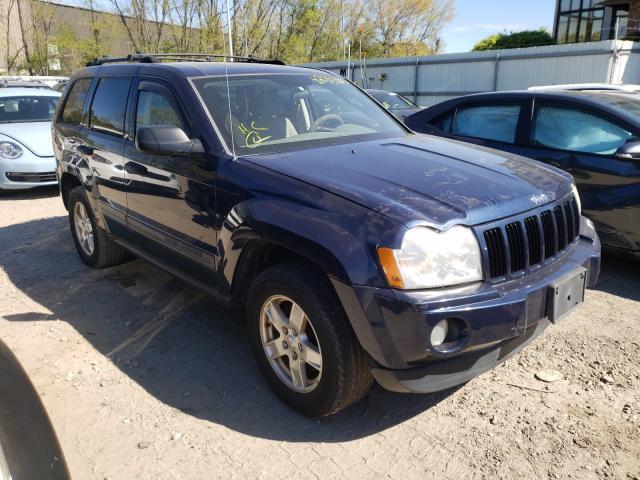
(176, 57)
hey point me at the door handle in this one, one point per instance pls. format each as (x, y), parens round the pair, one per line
(85, 150)
(135, 168)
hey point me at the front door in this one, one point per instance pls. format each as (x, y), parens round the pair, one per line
(170, 198)
(583, 143)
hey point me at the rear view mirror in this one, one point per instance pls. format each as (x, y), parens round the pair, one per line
(630, 150)
(166, 140)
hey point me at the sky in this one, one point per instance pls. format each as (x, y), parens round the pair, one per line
(477, 19)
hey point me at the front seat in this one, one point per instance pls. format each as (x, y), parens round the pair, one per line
(269, 117)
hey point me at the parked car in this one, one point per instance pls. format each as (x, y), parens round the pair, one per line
(353, 247)
(398, 105)
(23, 84)
(29, 447)
(592, 134)
(619, 87)
(60, 86)
(26, 153)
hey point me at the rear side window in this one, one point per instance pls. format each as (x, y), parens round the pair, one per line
(576, 130)
(443, 122)
(488, 122)
(109, 105)
(72, 112)
(155, 109)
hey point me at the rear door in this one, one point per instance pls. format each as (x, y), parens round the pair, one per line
(170, 198)
(101, 147)
(583, 141)
(497, 124)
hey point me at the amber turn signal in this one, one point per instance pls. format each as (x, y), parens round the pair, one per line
(390, 267)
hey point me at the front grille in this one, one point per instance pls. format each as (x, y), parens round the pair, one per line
(31, 177)
(497, 252)
(514, 246)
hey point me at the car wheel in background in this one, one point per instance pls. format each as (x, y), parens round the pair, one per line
(303, 342)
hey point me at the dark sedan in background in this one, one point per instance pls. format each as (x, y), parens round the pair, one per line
(401, 107)
(594, 135)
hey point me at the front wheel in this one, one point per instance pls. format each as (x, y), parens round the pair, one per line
(303, 342)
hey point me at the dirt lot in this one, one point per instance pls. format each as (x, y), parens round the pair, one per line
(144, 377)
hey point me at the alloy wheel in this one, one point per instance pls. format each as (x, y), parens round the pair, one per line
(84, 229)
(290, 344)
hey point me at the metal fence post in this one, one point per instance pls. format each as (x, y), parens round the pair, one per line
(415, 82)
(496, 69)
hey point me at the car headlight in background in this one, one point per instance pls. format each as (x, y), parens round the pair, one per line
(574, 190)
(430, 259)
(10, 150)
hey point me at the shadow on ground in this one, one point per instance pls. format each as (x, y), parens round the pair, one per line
(174, 341)
(41, 192)
(620, 277)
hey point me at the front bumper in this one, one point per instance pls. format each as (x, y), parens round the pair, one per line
(394, 326)
(28, 171)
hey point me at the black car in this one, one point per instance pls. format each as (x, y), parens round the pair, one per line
(594, 135)
(398, 105)
(354, 248)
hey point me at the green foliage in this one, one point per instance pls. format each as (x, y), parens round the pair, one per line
(527, 38)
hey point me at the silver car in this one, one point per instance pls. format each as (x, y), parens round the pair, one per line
(26, 152)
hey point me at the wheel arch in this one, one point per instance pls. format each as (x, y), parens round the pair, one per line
(67, 183)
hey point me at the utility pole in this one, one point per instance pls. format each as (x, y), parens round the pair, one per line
(229, 31)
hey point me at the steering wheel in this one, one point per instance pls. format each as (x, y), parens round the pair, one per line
(319, 124)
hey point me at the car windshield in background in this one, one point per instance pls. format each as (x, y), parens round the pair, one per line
(393, 101)
(275, 112)
(27, 109)
(627, 103)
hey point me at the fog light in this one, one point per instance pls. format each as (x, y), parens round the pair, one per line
(439, 333)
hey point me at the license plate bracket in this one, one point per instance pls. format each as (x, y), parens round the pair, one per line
(565, 294)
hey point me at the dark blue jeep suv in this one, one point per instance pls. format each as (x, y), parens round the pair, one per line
(354, 248)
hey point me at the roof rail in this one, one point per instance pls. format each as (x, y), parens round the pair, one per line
(176, 57)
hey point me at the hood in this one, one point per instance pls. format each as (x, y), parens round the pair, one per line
(425, 179)
(36, 136)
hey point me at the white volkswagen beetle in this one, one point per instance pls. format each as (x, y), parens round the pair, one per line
(26, 151)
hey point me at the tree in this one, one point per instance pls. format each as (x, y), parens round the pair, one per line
(526, 38)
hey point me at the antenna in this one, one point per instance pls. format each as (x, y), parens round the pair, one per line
(229, 30)
(226, 74)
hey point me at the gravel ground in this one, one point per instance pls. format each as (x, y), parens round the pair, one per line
(144, 377)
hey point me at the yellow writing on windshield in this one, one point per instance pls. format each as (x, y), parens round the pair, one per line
(252, 135)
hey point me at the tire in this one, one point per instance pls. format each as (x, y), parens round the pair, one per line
(104, 251)
(344, 376)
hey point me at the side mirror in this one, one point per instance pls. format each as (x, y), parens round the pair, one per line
(629, 151)
(166, 140)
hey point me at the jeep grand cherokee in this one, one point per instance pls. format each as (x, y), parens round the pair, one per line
(355, 248)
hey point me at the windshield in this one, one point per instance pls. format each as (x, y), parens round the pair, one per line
(276, 112)
(27, 109)
(393, 101)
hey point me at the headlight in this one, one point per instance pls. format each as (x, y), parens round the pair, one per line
(429, 259)
(574, 190)
(10, 150)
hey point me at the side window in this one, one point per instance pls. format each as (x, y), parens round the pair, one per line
(109, 105)
(488, 122)
(72, 111)
(573, 129)
(443, 122)
(155, 109)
